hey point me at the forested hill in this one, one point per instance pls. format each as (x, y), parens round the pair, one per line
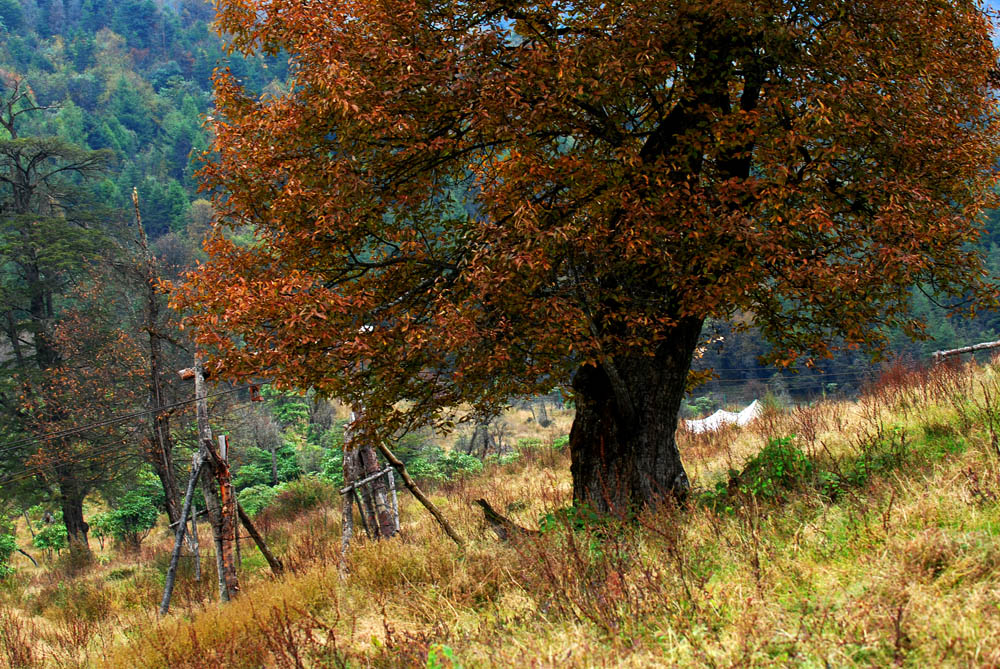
(134, 77)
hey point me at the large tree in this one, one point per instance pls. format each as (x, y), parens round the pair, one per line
(459, 202)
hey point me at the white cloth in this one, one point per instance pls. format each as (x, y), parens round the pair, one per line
(720, 418)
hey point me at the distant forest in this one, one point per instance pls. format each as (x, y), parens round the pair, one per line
(134, 78)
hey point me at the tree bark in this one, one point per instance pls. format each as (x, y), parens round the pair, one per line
(71, 496)
(379, 493)
(624, 456)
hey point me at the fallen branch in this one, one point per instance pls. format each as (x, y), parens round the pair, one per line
(504, 527)
(413, 488)
(27, 556)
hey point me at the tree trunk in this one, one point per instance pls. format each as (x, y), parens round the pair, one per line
(221, 514)
(379, 492)
(274, 464)
(161, 455)
(71, 496)
(213, 510)
(351, 467)
(624, 456)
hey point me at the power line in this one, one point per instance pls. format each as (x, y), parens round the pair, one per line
(10, 446)
(30, 471)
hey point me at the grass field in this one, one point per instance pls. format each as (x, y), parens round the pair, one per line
(842, 534)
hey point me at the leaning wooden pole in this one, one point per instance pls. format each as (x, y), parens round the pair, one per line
(415, 489)
(168, 587)
(276, 566)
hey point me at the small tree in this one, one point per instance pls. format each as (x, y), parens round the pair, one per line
(50, 538)
(132, 520)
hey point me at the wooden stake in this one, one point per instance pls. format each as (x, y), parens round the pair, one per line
(220, 505)
(195, 544)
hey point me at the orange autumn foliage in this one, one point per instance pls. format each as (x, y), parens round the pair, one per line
(460, 202)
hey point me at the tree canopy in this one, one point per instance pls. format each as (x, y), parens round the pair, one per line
(462, 202)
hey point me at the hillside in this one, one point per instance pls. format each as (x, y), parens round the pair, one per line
(845, 533)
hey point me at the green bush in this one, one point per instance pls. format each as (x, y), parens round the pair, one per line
(256, 469)
(102, 527)
(132, 520)
(8, 544)
(424, 470)
(306, 493)
(457, 465)
(577, 517)
(51, 537)
(256, 498)
(559, 443)
(780, 465)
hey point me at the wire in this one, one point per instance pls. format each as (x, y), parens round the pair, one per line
(13, 445)
(33, 470)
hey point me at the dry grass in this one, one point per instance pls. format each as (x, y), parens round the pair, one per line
(886, 552)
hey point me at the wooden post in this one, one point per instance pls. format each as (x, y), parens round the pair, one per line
(939, 356)
(347, 505)
(221, 512)
(195, 544)
(224, 458)
(378, 490)
(229, 526)
(395, 499)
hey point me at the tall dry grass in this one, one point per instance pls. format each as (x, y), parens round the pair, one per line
(882, 550)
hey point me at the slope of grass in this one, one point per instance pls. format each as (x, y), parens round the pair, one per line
(843, 534)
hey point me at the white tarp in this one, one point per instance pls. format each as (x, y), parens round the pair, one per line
(720, 418)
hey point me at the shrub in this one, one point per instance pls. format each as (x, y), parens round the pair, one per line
(424, 470)
(504, 459)
(576, 517)
(101, 526)
(51, 537)
(8, 544)
(131, 522)
(780, 465)
(304, 494)
(256, 498)
(257, 468)
(457, 465)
